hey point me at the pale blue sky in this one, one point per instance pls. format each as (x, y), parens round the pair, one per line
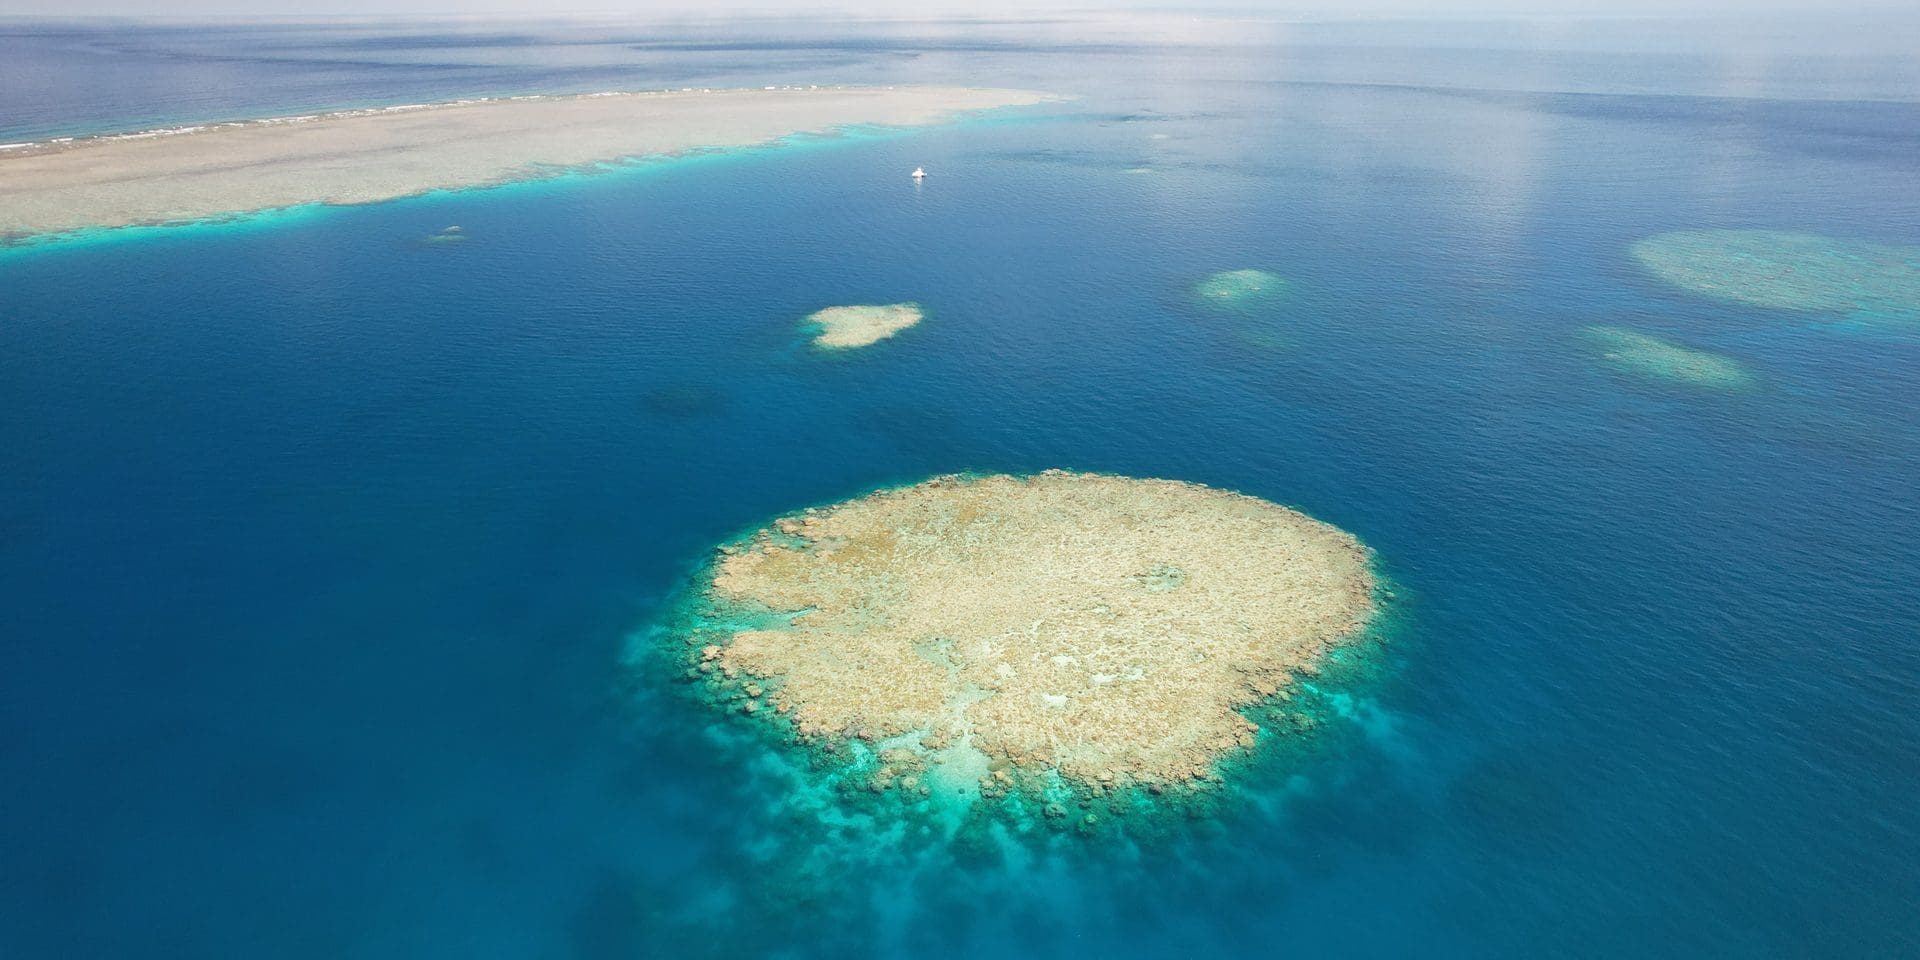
(1331, 9)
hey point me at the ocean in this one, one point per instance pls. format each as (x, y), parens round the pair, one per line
(327, 552)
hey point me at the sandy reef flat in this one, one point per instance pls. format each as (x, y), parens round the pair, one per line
(365, 156)
(1098, 628)
(843, 328)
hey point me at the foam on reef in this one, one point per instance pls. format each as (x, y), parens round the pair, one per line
(1054, 636)
(1788, 271)
(1652, 357)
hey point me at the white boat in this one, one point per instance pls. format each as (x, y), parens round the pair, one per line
(919, 173)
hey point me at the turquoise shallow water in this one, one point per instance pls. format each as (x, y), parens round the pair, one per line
(323, 546)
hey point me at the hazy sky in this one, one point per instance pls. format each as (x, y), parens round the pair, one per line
(1282, 8)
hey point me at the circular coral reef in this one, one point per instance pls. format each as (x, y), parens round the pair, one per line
(979, 632)
(842, 328)
(1789, 271)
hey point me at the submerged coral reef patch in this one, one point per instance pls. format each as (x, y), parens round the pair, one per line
(841, 328)
(1649, 356)
(973, 636)
(1788, 271)
(1241, 287)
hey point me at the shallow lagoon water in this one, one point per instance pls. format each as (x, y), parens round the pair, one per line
(325, 549)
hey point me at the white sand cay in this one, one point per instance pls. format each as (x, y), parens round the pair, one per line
(365, 156)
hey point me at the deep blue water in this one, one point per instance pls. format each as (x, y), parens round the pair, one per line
(320, 547)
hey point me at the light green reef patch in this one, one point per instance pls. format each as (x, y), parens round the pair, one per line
(1789, 271)
(1654, 358)
(1241, 288)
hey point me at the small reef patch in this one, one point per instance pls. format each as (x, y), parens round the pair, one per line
(1657, 359)
(973, 641)
(1241, 288)
(1789, 271)
(843, 328)
(453, 234)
